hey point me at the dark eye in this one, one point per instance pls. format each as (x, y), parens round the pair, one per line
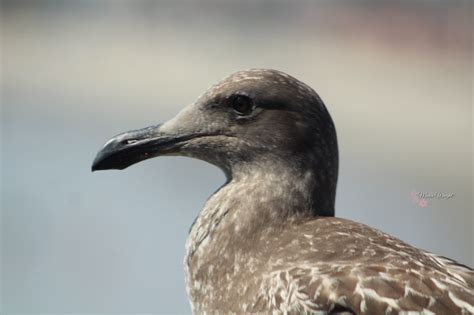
(242, 105)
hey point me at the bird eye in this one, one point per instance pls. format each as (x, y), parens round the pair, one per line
(242, 105)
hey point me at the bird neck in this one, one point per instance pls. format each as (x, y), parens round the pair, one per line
(257, 195)
(288, 187)
(252, 200)
(283, 192)
(248, 202)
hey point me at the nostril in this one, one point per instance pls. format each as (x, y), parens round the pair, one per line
(129, 141)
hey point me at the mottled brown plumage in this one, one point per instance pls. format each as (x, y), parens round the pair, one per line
(310, 264)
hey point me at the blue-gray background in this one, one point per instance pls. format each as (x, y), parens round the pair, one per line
(397, 78)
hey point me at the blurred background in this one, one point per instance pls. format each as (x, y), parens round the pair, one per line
(396, 76)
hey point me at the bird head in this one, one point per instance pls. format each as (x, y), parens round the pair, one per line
(252, 119)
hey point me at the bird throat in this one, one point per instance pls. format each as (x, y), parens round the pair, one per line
(250, 201)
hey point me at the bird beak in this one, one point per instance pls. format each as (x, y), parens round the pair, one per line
(134, 146)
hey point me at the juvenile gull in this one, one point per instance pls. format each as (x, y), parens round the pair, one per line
(267, 241)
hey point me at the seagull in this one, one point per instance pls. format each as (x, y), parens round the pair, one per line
(267, 241)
